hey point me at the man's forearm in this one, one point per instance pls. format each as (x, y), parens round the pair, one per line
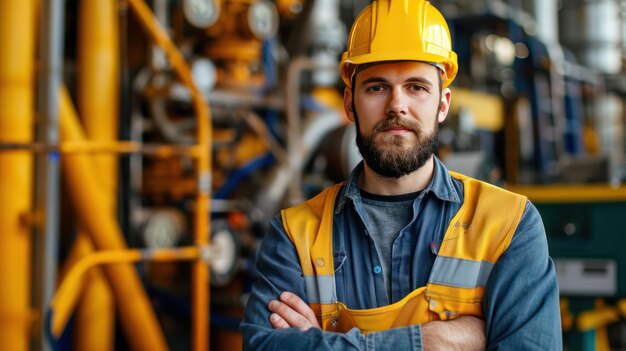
(438, 335)
(466, 333)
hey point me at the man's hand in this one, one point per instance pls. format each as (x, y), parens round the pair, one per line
(465, 333)
(291, 312)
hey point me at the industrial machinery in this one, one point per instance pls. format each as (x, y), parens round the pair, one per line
(140, 171)
(187, 110)
(553, 129)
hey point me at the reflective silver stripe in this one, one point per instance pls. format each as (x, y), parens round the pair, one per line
(460, 273)
(320, 288)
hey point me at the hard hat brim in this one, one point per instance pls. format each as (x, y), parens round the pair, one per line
(348, 64)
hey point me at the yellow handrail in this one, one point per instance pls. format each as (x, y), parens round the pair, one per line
(202, 225)
(69, 291)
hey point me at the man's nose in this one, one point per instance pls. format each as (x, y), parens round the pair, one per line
(397, 103)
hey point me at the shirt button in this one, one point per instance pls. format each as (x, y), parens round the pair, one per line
(377, 269)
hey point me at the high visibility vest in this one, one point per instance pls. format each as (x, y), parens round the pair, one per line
(476, 237)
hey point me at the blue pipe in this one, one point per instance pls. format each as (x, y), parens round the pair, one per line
(240, 174)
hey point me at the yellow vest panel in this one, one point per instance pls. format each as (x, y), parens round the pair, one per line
(475, 239)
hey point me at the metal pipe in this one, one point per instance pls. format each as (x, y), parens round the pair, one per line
(258, 126)
(97, 97)
(16, 119)
(202, 226)
(300, 141)
(46, 232)
(297, 148)
(546, 12)
(136, 313)
(328, 38)
(294, 125)
(161, 12)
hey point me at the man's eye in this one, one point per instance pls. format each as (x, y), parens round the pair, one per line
(375, 88)
(416, 88)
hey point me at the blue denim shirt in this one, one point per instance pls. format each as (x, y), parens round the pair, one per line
(521, 304)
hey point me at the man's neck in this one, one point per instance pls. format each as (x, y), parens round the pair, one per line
(374, 183)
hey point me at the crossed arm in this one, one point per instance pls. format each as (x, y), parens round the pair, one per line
(521, 307)
(464, 333)
(275, 320)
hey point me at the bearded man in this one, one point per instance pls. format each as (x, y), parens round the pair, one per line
(404, 255)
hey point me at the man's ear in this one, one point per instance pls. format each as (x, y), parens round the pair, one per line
(446, 98)
(347, 103)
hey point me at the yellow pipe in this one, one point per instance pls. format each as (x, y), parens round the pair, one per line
(602, 336)
(136, 314)
(97, 306)
(73, 283)
(98, 81)
(17, 37)
(202, 226)
(602, 340)
(567, 318)
(597, 318)
(621, 304)
(97, 91)
(115, 147)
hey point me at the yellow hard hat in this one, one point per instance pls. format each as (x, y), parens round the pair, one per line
(395, 30)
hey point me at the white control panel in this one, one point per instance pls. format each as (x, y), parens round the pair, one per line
(596, 277)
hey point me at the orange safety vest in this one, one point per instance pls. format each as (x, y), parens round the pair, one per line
(477, 236)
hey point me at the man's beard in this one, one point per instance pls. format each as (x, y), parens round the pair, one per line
(387, 156)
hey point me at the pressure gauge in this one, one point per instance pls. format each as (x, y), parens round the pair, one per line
(225, 245)
(263, 19)
(163, 228)
(201, 13)
(204, 74)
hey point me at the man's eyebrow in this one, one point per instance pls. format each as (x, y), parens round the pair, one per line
(420, 80)
(409, 80)
(374, 80)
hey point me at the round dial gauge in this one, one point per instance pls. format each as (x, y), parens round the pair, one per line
(201, 13)
(263, 19)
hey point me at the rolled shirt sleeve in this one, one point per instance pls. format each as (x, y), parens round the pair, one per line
(278, 269)
(521, 305)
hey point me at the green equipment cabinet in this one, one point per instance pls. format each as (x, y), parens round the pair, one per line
(587, 241)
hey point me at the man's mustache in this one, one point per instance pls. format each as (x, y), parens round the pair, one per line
(395, 123)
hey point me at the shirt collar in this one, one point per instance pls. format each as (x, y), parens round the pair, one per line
(440, 185)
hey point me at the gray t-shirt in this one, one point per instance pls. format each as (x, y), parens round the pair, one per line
(387, 215)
